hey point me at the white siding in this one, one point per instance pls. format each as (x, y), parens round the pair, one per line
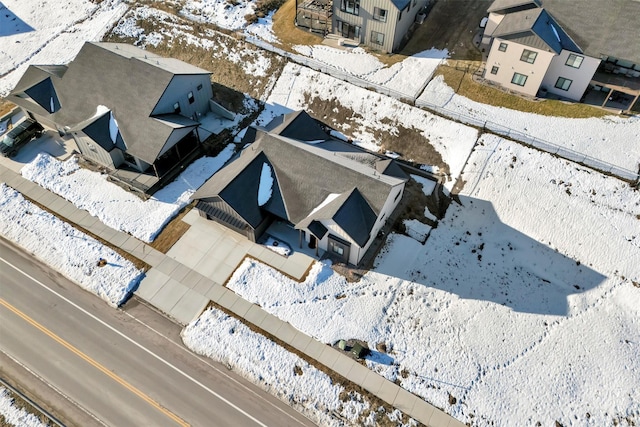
(580, 76)
(356, 253)
(177, 91)
(509, 62)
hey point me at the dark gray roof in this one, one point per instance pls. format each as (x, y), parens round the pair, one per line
(297, 125)
(54, 70)
(98, 130)
(391, 168)
(44, 95)
(305, 176)
(400, 4)
(601, 27)
(318, 229)
(535, 28)
(509, 6)
(127, 80)
(356, 217)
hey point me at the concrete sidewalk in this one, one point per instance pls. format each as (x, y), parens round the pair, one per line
(182, 283)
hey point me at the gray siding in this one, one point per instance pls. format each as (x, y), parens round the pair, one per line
(95, 152)
(394, 28)
(177, 91)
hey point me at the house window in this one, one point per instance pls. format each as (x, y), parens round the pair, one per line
(191, 98)
(130, 159)
(397, 196)
(377, 38)
(574, 60)
(337, 249)
(415, 2)
(494, 70)
(502, 47)
(528, 56)
(176, 108)
(519, 79)
(199, 86)
(563, 83)
(400, 16)
(380, 14)
(350, 6)
(348, 31)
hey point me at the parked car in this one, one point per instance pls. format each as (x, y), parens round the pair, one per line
(19, 136)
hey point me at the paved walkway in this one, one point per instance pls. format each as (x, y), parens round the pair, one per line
(182, 282)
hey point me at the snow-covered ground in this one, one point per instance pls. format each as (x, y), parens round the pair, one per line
(612, 139)
(312, 392)
(373, 112)
(114, 206)
(524, 304)
(15, 416)
(66, 249)
(49, 32)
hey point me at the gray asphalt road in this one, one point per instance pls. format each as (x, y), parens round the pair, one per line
(123, 367)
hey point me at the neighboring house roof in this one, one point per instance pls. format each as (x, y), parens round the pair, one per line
(600, 27)
(535, 28)
(596, 27)
(125, 79)
(305, 177)
(400, 4)
(507, 6)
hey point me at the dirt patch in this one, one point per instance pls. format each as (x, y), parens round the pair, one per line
(451, 25)
(410, 143)
(286, 31)
(172, 232)
(236, 75)
(5, 107)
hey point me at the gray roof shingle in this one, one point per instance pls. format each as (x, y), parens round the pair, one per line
(305, 176)
(127, 80)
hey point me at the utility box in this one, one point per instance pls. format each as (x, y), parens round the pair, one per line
(359, 350)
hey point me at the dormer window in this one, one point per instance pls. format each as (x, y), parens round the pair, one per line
(191, 98)
(176, 108)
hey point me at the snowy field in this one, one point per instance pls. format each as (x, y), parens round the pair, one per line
(225, 339)
(66, 249)
(49, 32)
(524, 304)
(611, 139)
(15, 416)
(114, 206)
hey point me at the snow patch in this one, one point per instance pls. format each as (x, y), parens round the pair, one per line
(265, 188)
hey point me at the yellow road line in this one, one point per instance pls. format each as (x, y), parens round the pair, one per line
(93, 363)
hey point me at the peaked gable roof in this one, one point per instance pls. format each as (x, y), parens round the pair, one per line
(305, 177)
(535, 28)
(297, 125)
(127, 80)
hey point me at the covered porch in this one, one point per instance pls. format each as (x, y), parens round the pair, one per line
(615, 87)
(285, 231)
(162, 171)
